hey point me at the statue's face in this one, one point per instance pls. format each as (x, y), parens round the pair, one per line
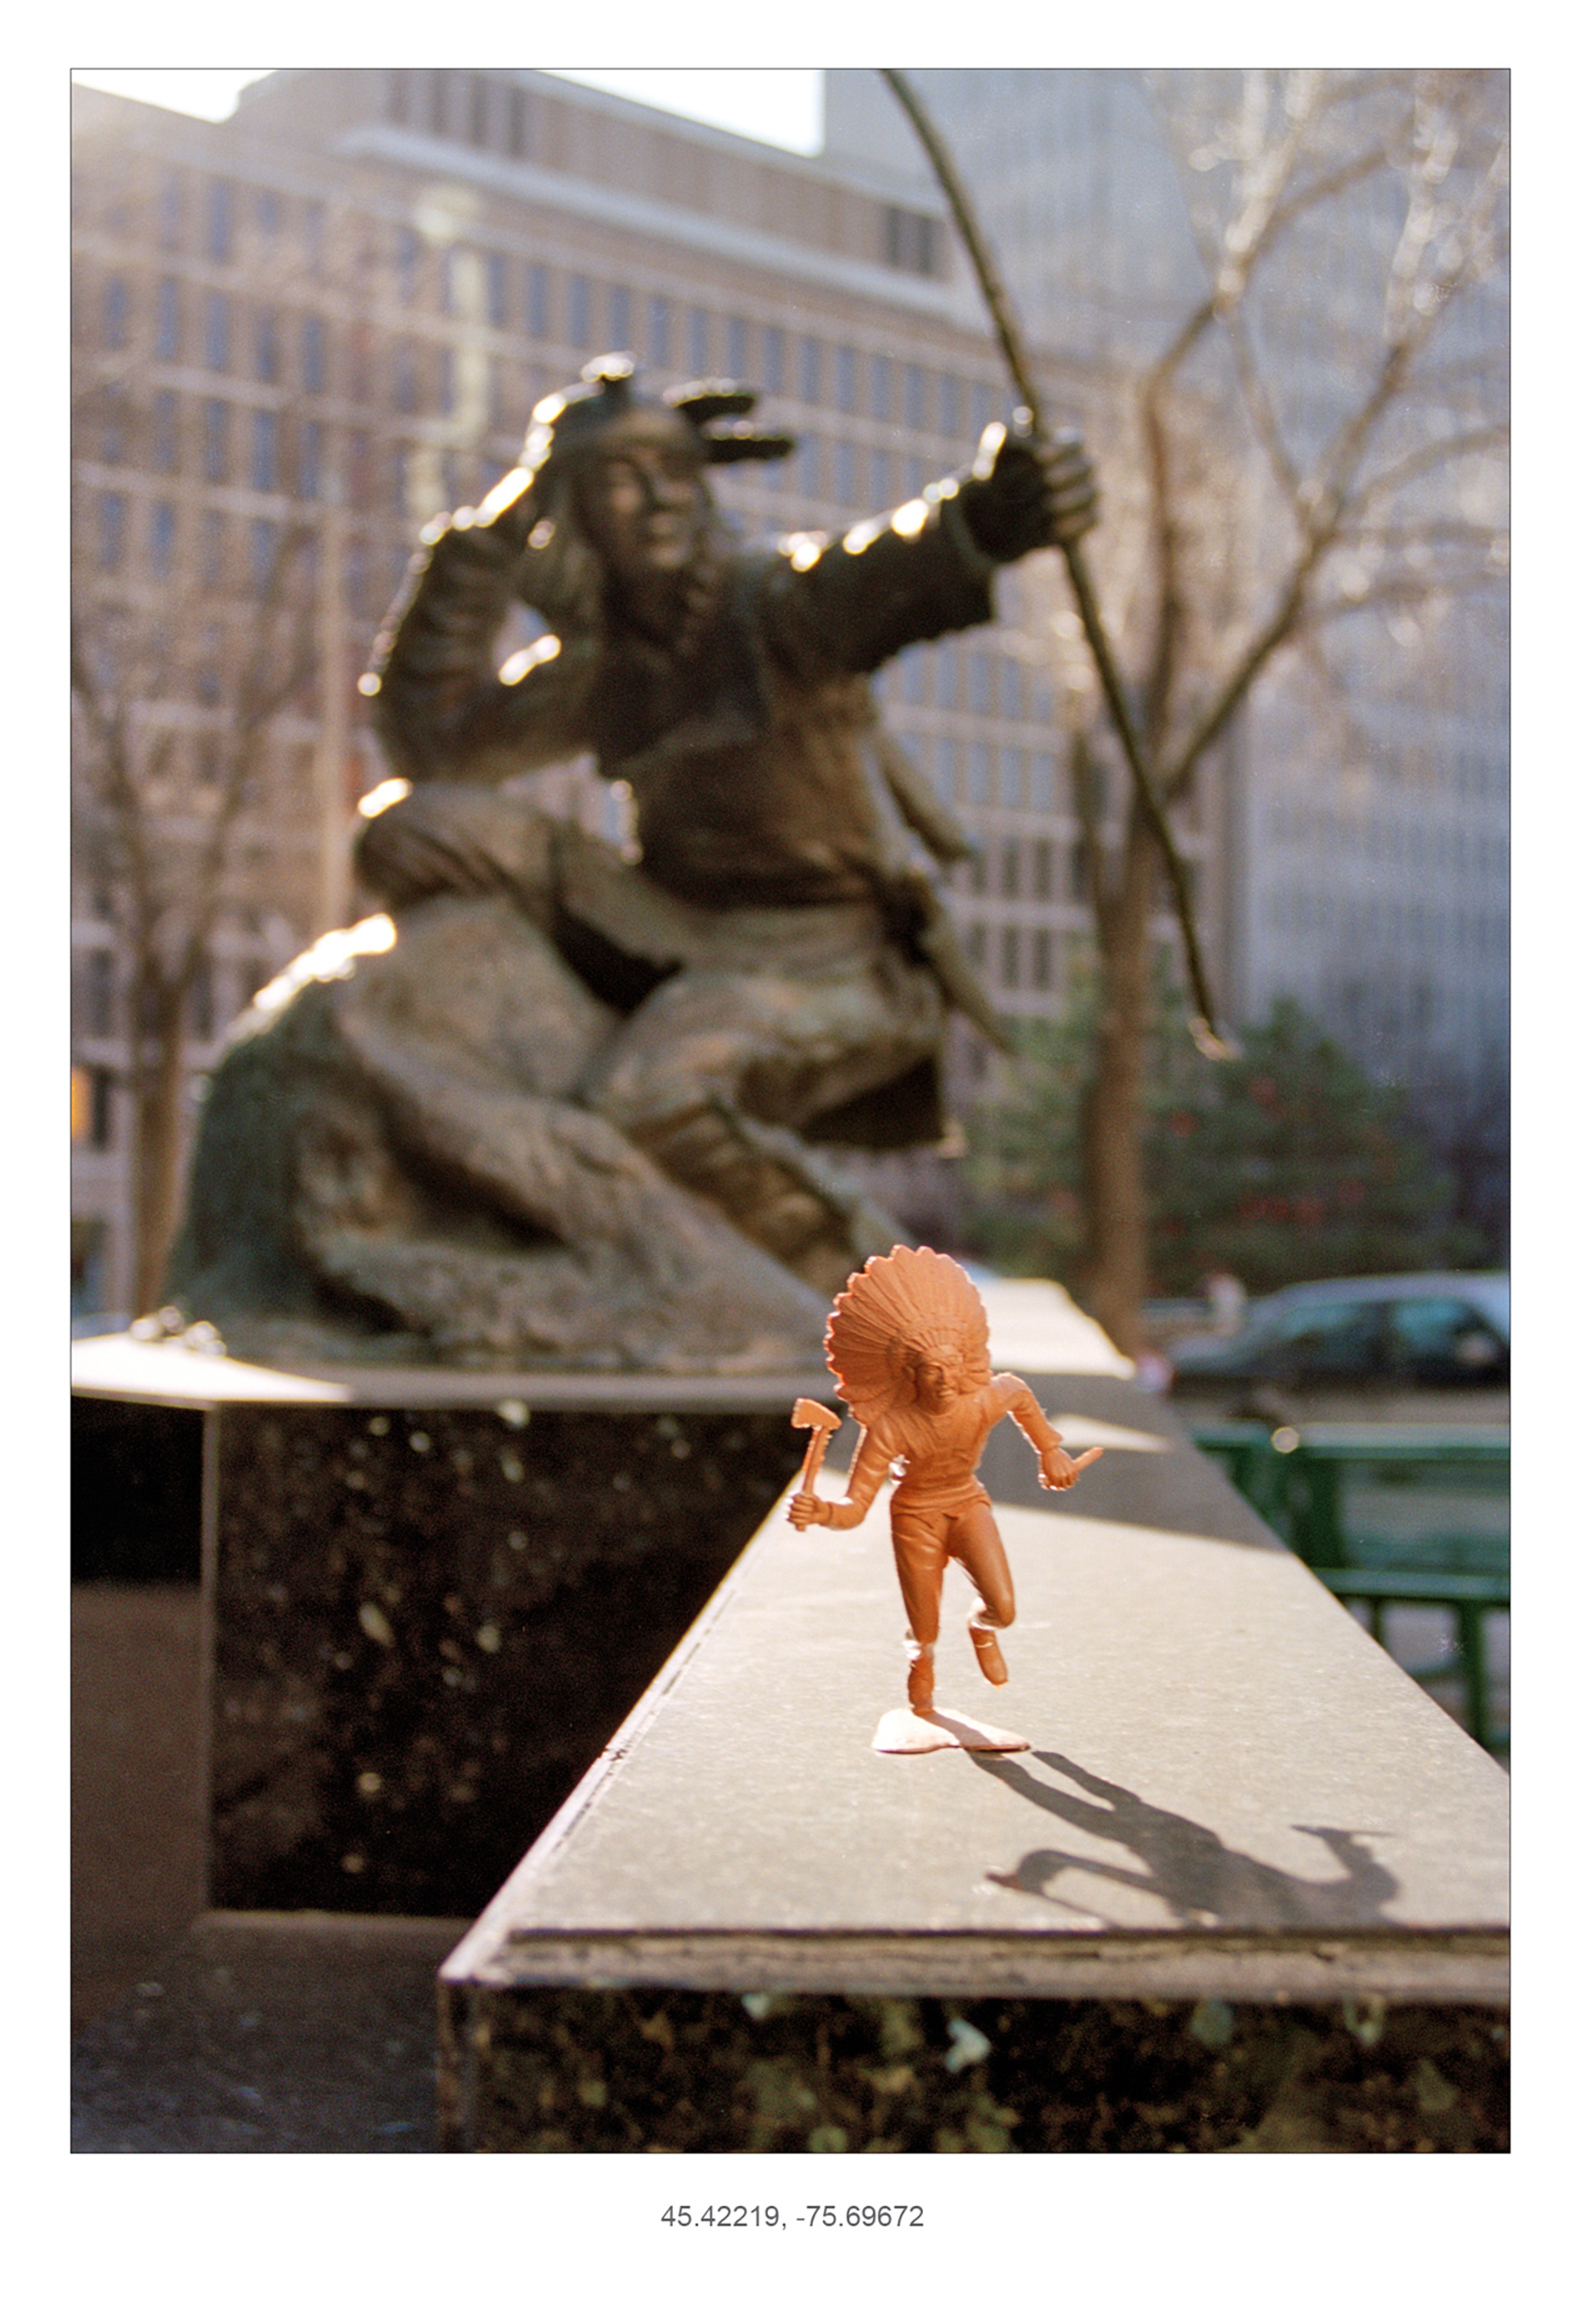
(642, 496)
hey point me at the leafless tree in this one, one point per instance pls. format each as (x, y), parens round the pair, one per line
(1252, 520)
(178, 680)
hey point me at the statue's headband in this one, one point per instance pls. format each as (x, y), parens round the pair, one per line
(717, 410)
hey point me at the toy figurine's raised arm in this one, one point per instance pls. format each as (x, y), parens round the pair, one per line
(872, 1459)
(1058, 1470)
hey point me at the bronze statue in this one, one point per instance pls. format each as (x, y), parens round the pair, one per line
(774, 969)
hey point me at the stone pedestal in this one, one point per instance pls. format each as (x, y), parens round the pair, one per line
(1246, 1888)
(430, 1598)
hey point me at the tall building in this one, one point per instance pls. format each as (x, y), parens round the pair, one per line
(303, 331)
(1370, 797)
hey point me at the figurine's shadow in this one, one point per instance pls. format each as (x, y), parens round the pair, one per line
(1185, 1864)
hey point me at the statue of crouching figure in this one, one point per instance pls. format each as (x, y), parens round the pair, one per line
(561, 1105)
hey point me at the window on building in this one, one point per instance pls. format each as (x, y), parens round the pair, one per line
(810, 369)
(172, 208)
(216, 331)
(221, 220)
(264, 554)
(1009, 957)
(98, 994)
(310, 466)
(167, 322)
(846, 371)
(1044, 782)
(314, 353)
(213, 549)
(1041, 974)
(266, 343)
(1014, 777)
(951, 408)
(479, 108)
(1011, 866)
(947, 768)
(161, 538)
(983, 399)
(880, 478)
(117, 307)
(845, 488)
(519, 142)
(166, 432)
(216, 441)
(265, 451)
(406, 389)
(497, 268)
(112, 531)
(112, 428)
(659, 334)
(736, 357)
(947, 678)
(315, 221)
(912, 242)
(579, 310)
(1042, 857)
(774, 358)
(1011, 687)
(438, 100)
(538, 302)
(914, 397)
(981, 774)
(620, 321)
(407, 265)
(881, 388)
(699, 340)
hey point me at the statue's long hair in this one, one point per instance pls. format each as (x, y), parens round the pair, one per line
(903, 1309)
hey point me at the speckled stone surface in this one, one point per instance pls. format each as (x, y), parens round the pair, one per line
(426, 1623)
(654, 2071)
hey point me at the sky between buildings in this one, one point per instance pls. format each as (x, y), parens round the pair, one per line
(777, 106)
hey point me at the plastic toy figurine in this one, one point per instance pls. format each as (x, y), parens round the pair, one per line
(909, 1347)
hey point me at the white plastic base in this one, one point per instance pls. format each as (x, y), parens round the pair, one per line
(902, 1732)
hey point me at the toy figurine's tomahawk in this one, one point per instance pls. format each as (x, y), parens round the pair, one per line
(821, 1421)
(910, 1349)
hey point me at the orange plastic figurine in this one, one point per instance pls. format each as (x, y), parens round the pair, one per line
(909, 1346)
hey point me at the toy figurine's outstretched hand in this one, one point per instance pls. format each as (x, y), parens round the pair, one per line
(806, 1508)
(1059, 1471)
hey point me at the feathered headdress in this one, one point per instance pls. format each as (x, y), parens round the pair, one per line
(905, 1304)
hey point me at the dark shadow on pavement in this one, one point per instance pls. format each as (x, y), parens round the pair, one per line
(1185, 1864)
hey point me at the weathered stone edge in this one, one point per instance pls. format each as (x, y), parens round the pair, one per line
(1439, 1967)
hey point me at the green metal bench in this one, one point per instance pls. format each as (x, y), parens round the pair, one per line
(1311, 1484)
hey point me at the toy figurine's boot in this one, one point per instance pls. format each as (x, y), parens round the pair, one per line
(989, 1654)
(922, 1681)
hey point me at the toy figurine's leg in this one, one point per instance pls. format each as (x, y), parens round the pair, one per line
(976, 1543)
(921, 1559)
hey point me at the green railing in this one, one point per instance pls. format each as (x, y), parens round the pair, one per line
(1387, 1515)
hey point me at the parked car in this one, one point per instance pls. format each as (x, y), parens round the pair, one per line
(1349, 1348)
